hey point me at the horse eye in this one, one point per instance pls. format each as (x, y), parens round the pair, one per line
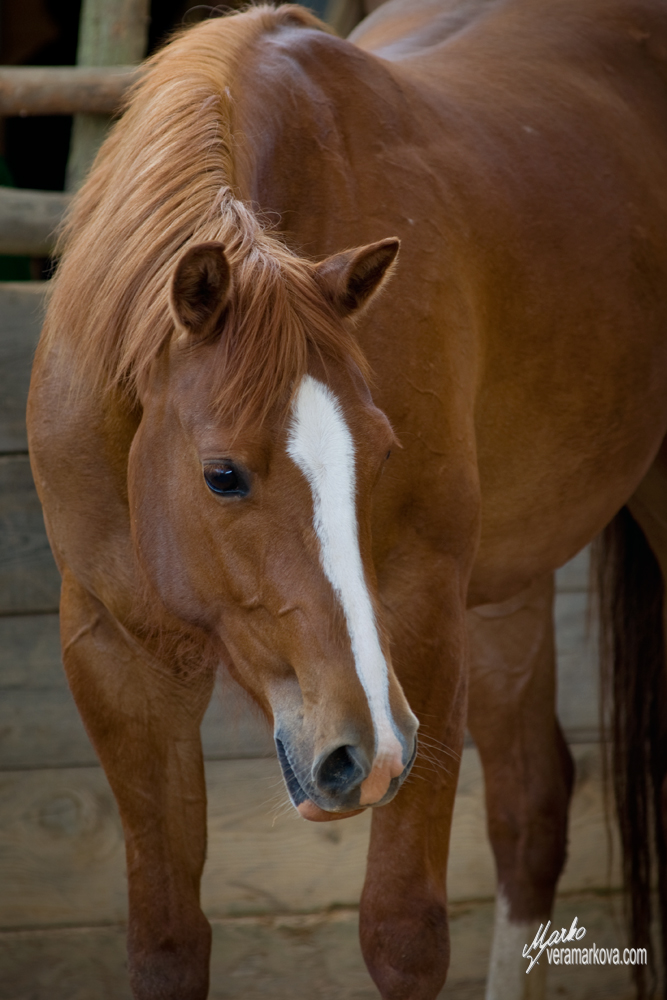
(387, 455)
(223, 478)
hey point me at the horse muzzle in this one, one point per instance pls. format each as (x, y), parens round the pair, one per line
(341, 782)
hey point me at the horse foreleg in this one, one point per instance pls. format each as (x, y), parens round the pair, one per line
(528, 775)
(404, 928)
(144, 725)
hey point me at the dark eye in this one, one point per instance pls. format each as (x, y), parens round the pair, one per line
(224, 478)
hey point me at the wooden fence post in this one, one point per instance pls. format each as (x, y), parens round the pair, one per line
(111, 33)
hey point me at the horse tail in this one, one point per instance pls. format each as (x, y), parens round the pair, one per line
(630, 591)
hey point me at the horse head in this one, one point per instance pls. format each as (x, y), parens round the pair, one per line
(251, 484)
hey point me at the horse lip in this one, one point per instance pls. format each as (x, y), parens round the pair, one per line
(312, 812)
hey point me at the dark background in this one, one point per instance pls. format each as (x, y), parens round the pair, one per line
(44, 33)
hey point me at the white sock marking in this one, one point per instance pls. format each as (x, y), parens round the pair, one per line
(507, 979)
(321, 445)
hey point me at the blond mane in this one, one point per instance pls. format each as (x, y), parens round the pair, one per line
(166, 179)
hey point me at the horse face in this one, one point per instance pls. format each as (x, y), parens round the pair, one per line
(263, 537)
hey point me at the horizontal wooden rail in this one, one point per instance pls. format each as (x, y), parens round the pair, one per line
(63, 90)
(29, 220)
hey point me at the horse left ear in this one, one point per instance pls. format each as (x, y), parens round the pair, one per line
(200, 288)
(351, 278)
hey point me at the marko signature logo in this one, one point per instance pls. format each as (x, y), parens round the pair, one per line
(570, 955)
(541, 941)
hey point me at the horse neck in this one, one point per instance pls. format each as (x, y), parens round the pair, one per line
(311, 107)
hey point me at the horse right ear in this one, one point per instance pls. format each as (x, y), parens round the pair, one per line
(350, 279)
(200, 288)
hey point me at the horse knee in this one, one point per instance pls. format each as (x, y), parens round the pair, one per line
(172, 969)
(407, 953)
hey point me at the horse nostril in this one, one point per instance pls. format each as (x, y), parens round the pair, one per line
(340, 771)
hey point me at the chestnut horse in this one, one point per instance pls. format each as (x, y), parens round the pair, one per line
(218, 390)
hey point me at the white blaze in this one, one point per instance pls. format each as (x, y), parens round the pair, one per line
(321, 445)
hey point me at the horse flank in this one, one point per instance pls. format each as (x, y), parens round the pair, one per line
(121, 243)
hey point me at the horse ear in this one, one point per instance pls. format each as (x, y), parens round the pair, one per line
(200, 288)
(350, 279)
